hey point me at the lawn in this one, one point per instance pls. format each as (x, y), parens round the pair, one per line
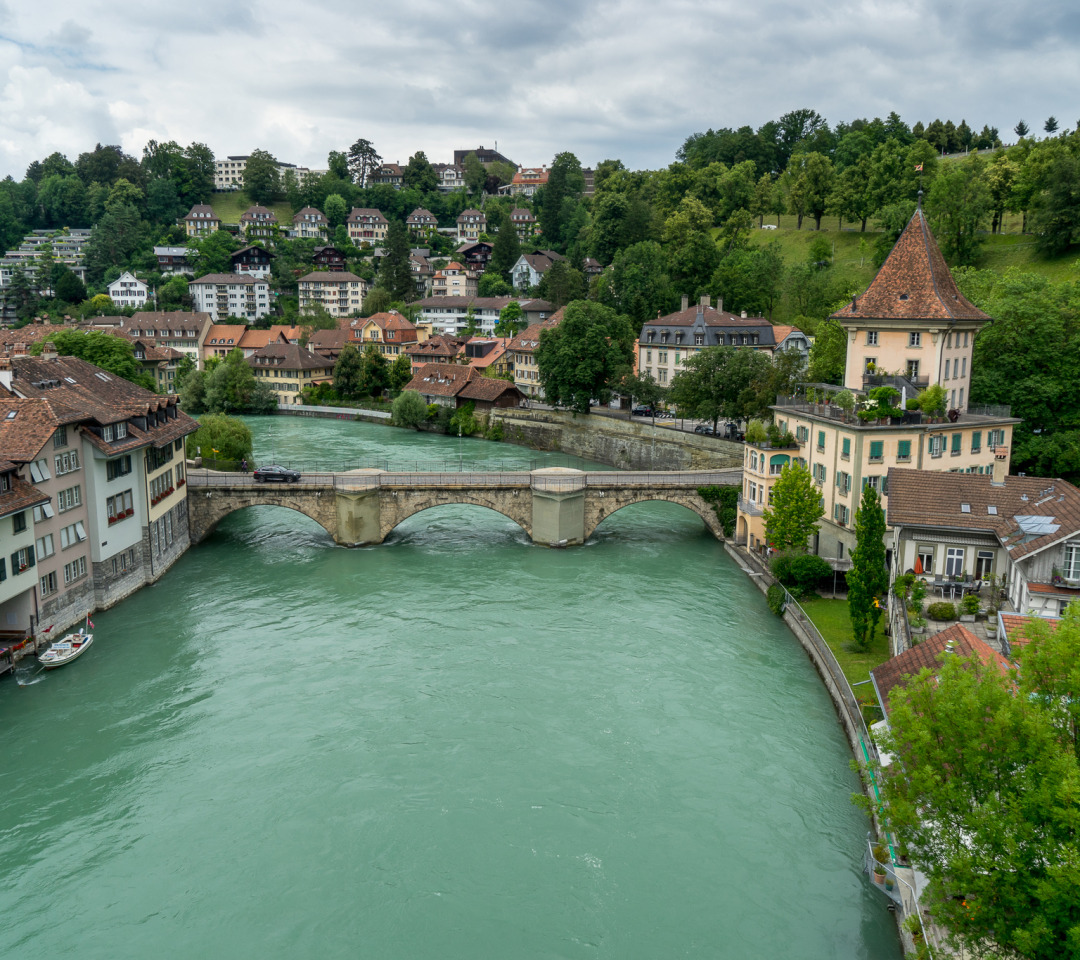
(831, 619)
(231, 203)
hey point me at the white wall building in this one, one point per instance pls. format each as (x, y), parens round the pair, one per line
(127, 290)
(231, 295)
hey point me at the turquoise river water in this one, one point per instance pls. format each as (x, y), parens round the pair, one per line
(453, 745)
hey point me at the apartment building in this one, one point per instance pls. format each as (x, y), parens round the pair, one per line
(231, 295)
(339, 292)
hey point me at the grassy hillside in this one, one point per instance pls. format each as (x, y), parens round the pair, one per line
(231, 204)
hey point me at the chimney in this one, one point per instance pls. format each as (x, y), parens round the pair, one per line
(685, 301)
(5, 373)
(705, 301)
(744, 314)
(1001, 455)
(720, 304)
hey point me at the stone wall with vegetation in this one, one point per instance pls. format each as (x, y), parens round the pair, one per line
(626, 445)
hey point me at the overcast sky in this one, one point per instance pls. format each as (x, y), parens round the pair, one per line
(602, 78)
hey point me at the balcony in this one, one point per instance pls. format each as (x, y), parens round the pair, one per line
(749, 508)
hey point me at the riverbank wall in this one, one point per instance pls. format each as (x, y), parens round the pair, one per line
(623, 444)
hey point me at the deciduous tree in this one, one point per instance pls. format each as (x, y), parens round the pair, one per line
(983, 791)
(347, 380)
(792, 516)
(111, 353)
(395, 273)
(262, 181)
(409, 409)
(583, 357)
(363, 161)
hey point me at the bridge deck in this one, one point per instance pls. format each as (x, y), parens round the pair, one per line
(594, 479)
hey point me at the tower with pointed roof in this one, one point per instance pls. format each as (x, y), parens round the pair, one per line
(912, 326)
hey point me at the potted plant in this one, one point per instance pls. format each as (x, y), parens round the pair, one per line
(969, 608)
(881, 857)
(845, 400)
(917, 623)
(933, 401)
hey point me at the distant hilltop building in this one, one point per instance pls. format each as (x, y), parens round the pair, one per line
(229, 173)
(484, 155)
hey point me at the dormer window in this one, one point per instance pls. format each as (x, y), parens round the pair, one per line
(699, 339)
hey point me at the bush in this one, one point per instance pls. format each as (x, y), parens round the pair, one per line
(918, 594)
(970, 604)
(756, 432)
(902, 584)
(775, 598)
(724, 501)
(942, 610)
(409, 409)
(801, 571)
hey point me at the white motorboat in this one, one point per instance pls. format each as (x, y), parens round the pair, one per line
(66, 650)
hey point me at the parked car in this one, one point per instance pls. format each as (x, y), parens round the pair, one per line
(643, 412)
(274, 472)
(705, 428)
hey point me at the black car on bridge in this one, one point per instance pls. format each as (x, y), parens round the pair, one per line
(274, 472)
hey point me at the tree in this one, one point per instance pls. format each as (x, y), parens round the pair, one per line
(751, 279)
(692, 254)
(506, 249)
(377, 300)
(1055, 203)
(69, 287)
(983, 792)
(583, 357)
(796, 507)
(336, 209)
(492, 285)
(475, 175)
(561, 283)
(114, 354)
(958, 205)
(419, 174)
(363, 161)
(347, 380)
(637, 283)
(721, 382)
(262, 180)
(220, 437)
(400, 373)
(511, 320)
(565, 182)
(1051, 125)
(395, 272)
(212, 252)
(113, 239)
(808, 182)
(644, 389)
(1021, 129)
(374, 371)
(868, 578)
(231, 386)
(409, 409)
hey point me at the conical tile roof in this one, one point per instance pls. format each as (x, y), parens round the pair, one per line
(914, 283)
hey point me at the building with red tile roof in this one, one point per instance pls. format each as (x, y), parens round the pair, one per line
(957, 640)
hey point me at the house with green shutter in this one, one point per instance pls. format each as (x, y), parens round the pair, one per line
(914, 307)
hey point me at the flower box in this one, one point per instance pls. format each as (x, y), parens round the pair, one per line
(130, 512)
(112, 520)
(180, 483)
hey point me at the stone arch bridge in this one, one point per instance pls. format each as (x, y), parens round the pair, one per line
(554, 506)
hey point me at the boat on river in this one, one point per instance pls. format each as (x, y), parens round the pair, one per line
(72, 646)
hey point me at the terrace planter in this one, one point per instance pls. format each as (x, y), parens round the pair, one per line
(967, 618)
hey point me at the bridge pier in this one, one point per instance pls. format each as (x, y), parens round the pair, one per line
(558, 507)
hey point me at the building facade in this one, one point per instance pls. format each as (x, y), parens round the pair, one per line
(231, 295)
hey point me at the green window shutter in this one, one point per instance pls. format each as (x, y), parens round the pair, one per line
(956, 438)
(847, 446)
(976, 441)
(877, 448)
(821, 438)
(903, 448)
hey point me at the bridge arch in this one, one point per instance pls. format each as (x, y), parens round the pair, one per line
(204, 515)
(602, 504)
(397, 510)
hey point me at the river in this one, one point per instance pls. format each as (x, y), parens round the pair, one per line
(452, 745)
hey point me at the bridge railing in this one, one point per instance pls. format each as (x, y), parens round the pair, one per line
(578, 480)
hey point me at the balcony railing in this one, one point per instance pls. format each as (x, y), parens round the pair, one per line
(749, 508)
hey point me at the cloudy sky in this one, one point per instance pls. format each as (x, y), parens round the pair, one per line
(602, 78)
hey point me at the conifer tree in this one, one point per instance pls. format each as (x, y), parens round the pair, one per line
(869, 577)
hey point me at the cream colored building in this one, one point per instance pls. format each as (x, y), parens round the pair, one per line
(287, 368)
(914, 307)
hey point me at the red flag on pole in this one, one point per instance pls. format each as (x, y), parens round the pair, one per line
(918, 168)
(90, 623)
